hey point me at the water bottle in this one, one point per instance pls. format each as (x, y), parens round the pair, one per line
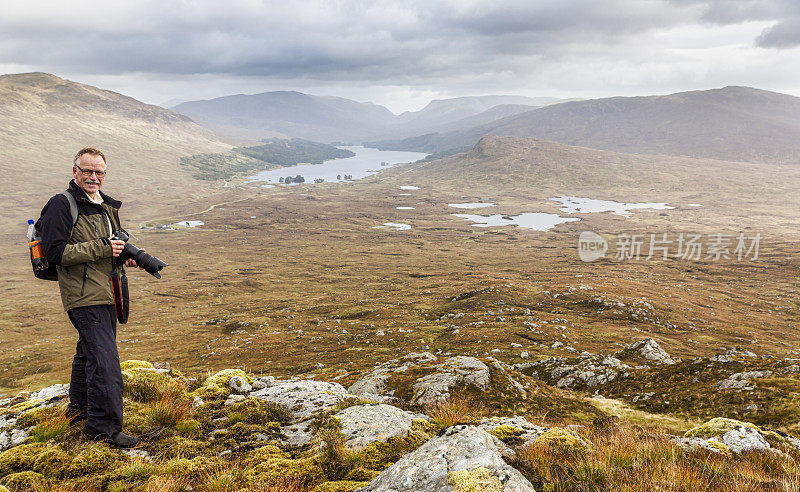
(35, 245)
(31, 230)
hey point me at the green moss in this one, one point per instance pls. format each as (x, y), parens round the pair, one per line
(20, 458)
(188, 427)
(137, 470)
(23, 480)
(193, 468)
(304, 471)
(262, 454)
(379, 455)
(360, 474)
(340, 486)
(562, 438)
(255, 411)
(179, 447)
(477, 480)
(508, 434)
(53, 462)
(147, 385)
(3, 489)
(21, 407)
(217, 385)
(135, 364)
(720, 446)
(717, 427)
(95, 458)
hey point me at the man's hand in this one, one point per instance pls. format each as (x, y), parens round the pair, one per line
(116, 246)
(132, 263)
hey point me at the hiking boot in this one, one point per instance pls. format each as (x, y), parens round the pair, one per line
(122, 440)
(118, 439)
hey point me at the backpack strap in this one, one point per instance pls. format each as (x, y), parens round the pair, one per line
(73, 206)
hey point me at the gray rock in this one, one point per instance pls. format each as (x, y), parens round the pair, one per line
(741, 380)
(53, 391)
(258, 384)
(234, 399)
(267, 380)
(162, 367)
(297, 434)
(453, 371)
(11, 438)
(304, 397)
(7, 421)
(524, 354)
(374, 382)
(694, 443)
(741, 439)
(197, 402)
(363, 424)
(239, 385)
(459, 448)
(651, 350)
(137, 453)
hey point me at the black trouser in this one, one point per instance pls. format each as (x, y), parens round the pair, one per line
(95, 388)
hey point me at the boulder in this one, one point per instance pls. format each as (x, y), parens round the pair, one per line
(651, 350)
(303, 397)
(363, 424)
(374, 382)
(743, 439)
(459, 370)
(741, 380)
(56, 390)
(239, 385)
(461, 455)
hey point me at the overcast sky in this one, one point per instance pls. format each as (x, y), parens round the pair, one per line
(402, 54)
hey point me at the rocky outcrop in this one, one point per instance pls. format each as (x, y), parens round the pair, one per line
(455, 455)
(303, 397)
(373, 384)
(460, 370)
(742, 380)
(651, 350)
(363, 424)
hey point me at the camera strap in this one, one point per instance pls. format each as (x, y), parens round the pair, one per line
(121, 302)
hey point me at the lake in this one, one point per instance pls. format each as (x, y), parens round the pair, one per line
(365, 163)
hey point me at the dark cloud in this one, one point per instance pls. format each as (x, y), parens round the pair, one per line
(415, 43)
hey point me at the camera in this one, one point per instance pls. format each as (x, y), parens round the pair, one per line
(151, 264)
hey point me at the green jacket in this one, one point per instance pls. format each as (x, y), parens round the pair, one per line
(82, 254)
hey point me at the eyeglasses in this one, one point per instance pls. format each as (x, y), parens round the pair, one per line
(88, 172)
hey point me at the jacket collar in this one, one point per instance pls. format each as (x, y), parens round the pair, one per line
(80, 195)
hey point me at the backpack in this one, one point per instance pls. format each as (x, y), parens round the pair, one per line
(41, 268)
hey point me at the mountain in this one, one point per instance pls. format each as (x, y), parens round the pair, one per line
(45, 120)
(328, 119)
(732, 123)
(287, 113)
(441, 112)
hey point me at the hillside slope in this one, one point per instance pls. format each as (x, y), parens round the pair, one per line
(732, 123)
(45, 119)
(287, 113)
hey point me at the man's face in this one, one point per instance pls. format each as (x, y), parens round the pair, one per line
(92, 183)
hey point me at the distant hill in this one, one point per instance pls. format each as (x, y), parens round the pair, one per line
(329, 119)
(450, 114)
(45, 120)
(732, 123)
(287, 113)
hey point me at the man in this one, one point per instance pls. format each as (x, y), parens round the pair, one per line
(85, 256)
